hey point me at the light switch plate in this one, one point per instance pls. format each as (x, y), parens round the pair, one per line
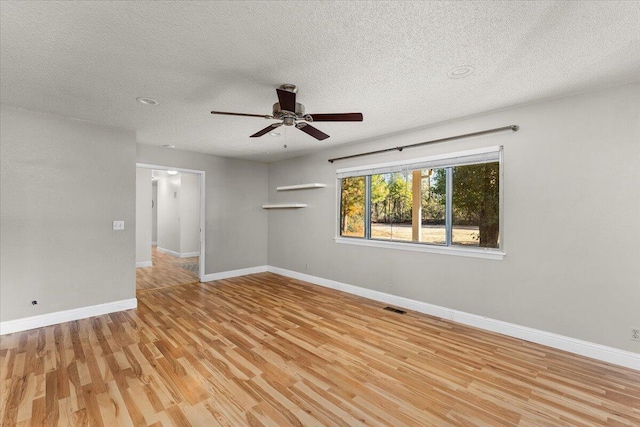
(118, 225)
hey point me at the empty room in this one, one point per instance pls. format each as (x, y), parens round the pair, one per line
(319, 213)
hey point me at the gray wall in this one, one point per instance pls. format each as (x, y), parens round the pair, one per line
(571, 221)
(62, 184)
(143, 215)
(570, 228)
(236, 225)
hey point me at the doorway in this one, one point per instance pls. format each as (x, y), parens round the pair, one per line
(170, 217)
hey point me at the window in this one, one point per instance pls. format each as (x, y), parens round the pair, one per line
(450, 201)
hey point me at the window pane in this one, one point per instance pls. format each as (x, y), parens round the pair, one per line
(352, 207)
(391, 200)
(476, 206)
(433, 230)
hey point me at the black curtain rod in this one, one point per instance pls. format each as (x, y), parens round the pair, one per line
(513, 128)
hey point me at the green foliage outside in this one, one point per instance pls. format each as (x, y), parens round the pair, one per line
(352, 207)
(433, 204)
(391, 198)
(475, 200)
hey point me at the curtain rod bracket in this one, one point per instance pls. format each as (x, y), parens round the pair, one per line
(514, 128)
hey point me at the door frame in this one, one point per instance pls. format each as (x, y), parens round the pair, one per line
(201, 260)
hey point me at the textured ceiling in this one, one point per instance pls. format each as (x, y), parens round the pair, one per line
(388, 60)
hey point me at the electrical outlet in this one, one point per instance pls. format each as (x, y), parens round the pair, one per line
(306, 265)
(635, 334)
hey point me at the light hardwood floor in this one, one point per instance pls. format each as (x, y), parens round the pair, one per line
(166, 271)
(267, 350)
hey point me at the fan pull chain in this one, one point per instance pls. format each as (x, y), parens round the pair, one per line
(285, 137)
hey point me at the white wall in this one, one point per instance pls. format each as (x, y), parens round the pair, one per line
(189, 213)
(169, 213)
(178, 201)
(62, 183)
(143, 216)
(571, 221)
(235, 223)
(154, 213)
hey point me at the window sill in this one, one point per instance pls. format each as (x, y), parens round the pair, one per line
(494, 254)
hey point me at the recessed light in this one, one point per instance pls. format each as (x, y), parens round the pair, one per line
(172, 172)
(147, 101)
(461, 72)
(275, 134)
(169, 146)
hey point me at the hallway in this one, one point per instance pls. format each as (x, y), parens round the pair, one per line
(166, 271)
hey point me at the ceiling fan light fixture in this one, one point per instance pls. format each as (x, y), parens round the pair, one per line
(461, 72)
(147, 101)
(275, 134)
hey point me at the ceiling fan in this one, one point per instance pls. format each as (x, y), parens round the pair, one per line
(292, 114)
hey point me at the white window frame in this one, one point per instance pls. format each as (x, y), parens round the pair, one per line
(450, 159)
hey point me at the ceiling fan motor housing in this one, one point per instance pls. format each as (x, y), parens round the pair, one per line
(289, 117)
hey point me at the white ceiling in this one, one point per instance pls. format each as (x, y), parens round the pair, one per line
(388, 60)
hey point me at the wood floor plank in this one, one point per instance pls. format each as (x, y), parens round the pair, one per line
(166, 271)
(265, 350)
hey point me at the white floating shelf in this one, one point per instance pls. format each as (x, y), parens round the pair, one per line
(285, 206)
(301, 186)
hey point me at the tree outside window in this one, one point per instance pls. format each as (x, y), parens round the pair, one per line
(474, 206)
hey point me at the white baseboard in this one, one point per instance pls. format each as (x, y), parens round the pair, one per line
(142, 264)
(168, 252)
(234, 273)
(584, 348)
(11, 326)
(189, 254)
(154, 243)
(177, 254)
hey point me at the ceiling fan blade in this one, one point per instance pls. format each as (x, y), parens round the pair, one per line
(264, 116)
(266, 130)
(287, 100)
(310, 130)
(337, 117)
